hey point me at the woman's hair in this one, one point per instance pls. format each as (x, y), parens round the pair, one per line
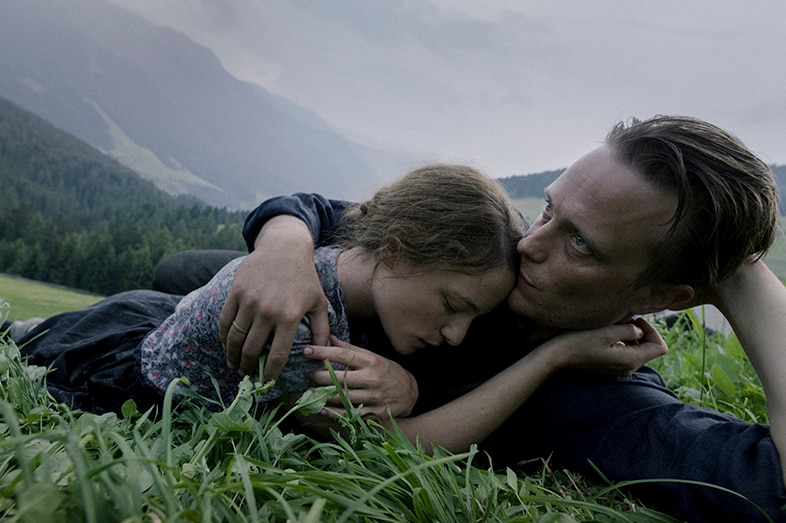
(444, 216)
(727, 199)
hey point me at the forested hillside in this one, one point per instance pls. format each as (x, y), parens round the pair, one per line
(165, 106)
(73, 216)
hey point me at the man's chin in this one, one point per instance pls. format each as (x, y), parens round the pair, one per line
(517, 302)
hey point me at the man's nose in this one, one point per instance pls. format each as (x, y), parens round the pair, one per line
(533, 245)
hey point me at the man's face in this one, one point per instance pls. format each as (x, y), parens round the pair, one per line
(582, 255)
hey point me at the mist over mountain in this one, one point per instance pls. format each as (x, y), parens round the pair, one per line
(164, 106)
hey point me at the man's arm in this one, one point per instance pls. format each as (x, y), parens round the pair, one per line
(276, 285)
(753, 299)
(320, 215)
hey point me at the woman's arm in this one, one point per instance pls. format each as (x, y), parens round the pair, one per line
(472, 417)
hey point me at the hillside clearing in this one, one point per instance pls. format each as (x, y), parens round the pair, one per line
(29, 298)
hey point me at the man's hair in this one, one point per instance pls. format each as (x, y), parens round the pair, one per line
(439, 216)
(727, 199)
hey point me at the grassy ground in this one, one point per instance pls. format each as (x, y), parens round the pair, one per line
(237, 465)
(31, 299)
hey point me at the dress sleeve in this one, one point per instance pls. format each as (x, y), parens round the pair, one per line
(320, 214)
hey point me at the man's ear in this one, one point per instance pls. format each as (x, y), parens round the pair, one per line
(662, 296)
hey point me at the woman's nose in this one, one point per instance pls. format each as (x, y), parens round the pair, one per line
(454, 332)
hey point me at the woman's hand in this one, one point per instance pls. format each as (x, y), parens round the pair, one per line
(376, 383)
(618, 350)
(273, 289)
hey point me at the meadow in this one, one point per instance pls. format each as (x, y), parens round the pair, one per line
(236, 464)
(32, 299)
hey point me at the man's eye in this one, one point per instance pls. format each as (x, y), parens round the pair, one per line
(581, 245)
(449, 307)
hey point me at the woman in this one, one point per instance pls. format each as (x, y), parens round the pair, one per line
(419, 261)
(422, 272)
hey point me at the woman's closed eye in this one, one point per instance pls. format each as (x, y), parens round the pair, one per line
(448, 307)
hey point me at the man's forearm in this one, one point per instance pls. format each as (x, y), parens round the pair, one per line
(754, 302)
(320, 215)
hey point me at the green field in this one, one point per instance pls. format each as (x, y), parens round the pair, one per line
(30, 299)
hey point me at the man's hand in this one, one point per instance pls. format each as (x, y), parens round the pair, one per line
(273, 289)
(376, 383)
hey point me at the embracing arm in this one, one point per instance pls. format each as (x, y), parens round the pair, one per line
(273, 289)
(753, 299)
(321, 216)
(472, 417)
(276, 285)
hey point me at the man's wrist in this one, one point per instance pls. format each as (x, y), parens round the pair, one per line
(290, 228)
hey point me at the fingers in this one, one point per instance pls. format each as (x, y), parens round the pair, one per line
(232, 339)
(371, 380)
(280, 348)
(228, 312)
(348, 355)
(320, 326)
(639, 343)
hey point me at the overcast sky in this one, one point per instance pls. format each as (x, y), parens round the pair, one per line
(511, 86)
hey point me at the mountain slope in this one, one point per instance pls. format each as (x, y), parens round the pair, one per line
(73, 216)
(165, 106)
(63, 177)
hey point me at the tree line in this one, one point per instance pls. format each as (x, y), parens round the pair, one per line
(73, 216)
(112, 255)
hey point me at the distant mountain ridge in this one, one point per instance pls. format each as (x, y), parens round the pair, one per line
(165, 106)
(73, 216)
(64, 178)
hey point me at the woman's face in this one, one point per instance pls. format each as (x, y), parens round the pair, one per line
(426, 308)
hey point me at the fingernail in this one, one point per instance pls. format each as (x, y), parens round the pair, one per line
(308, 351)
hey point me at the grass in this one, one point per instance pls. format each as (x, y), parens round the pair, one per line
(238, 465)
(32, 299)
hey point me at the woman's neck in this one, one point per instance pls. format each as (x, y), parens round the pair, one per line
(355, 269)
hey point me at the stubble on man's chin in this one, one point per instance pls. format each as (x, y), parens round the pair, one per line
(561, 319)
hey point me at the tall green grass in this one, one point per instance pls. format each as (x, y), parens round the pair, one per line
(237, 464)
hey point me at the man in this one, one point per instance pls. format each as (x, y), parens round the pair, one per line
(669, 213)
